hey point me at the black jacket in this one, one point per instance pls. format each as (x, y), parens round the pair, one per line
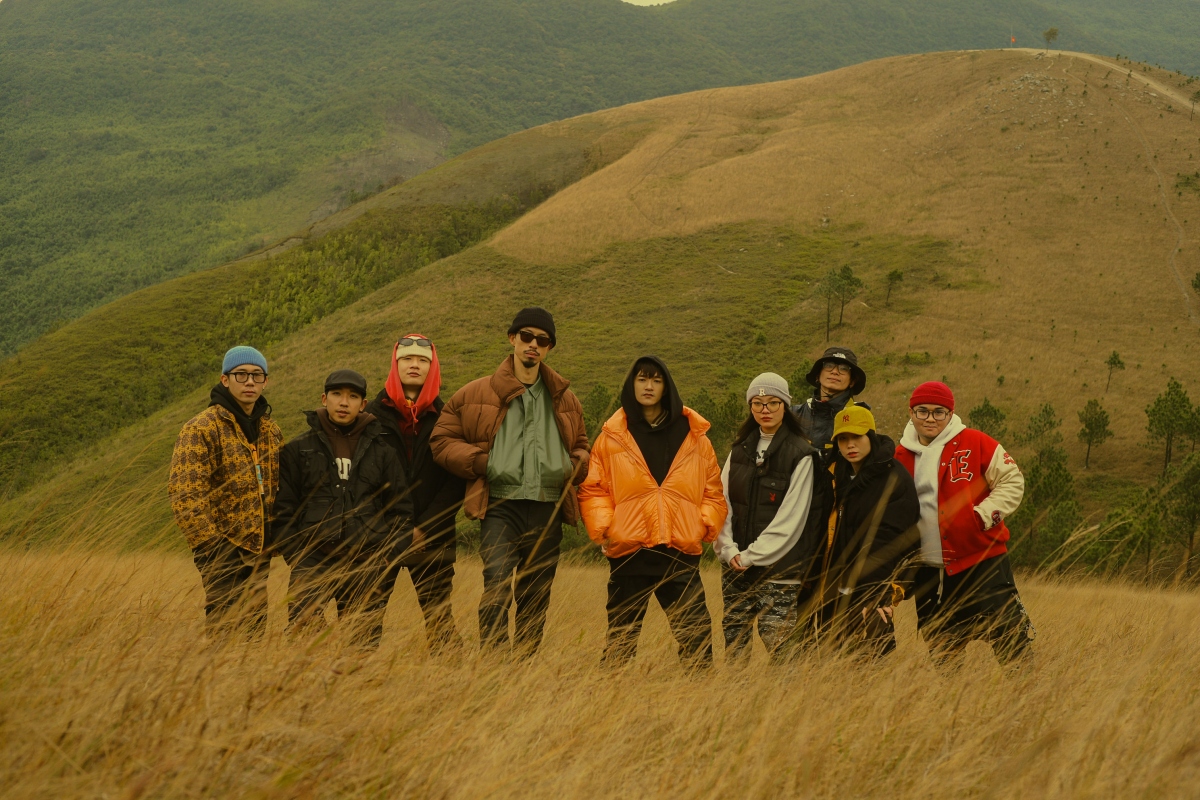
(367, 514)
(436, 494)
(757, 490)
(816, 420)
(868, 556)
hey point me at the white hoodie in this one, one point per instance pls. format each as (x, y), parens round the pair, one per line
(926, 460)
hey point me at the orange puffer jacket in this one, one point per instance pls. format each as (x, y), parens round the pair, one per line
(625, 510)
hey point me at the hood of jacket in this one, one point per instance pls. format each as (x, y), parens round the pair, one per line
(249, 423)
(877, 462)
(658, 443)
(409, 411)
(911, 442)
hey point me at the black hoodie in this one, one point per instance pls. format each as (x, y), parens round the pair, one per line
(881, 486)
(250, 425)
(659, 443)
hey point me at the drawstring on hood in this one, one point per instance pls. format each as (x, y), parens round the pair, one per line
(410, 412)
(249, 423)
(660, 442)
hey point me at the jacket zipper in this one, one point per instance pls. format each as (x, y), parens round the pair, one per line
(641, 459)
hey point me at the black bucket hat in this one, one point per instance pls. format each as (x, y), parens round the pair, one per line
(858, 378)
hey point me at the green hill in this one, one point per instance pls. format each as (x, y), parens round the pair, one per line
(1020, 196)
(143, 139)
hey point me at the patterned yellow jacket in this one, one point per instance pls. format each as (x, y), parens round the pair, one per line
(214, 484)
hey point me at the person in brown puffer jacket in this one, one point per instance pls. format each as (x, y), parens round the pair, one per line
(518, 438)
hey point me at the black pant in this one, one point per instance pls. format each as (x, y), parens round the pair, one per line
(433, 579)
(521, 536)
(363, 583)
(235, 587)
(680, 592)
(978, 603)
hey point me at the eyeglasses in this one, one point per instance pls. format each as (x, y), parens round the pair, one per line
(242, 377)
(759, 406)
(409, 341)
(836, 366)
(529, 336)
(938, 414)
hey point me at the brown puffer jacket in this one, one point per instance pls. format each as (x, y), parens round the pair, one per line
(468, 425)
(214, 486)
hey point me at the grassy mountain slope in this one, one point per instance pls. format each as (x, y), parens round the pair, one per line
(143, 139)
(131, 357)
(1033, 204)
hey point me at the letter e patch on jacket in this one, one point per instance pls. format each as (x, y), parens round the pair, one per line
(960, 466)
(343, 467)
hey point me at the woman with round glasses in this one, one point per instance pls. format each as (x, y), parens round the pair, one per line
(836, 379)
(777, 496)
(967, 484)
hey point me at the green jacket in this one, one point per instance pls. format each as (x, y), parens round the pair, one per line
(528, 460)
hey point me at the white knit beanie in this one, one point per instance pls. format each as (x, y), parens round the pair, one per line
(769, 385)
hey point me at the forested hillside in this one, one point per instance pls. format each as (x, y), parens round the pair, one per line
(143, 139)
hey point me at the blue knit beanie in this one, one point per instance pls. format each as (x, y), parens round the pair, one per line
(240, 355)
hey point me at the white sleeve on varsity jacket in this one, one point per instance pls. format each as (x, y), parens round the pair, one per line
(1007, 486)
(725, 547)
(780, 536)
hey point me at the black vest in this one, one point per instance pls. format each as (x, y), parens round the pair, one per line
(756, 492)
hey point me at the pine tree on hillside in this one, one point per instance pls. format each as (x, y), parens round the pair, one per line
(988, 418)
(1168, 417)
(1182, 506)
(1049, 511)
(597, 407)
(1042, 430)
(830, 287)
(893, 280)
(1051, 36)
(1114, 362)
(1095, 430)
(848, 285)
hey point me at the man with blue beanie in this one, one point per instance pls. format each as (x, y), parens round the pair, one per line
(224, 475)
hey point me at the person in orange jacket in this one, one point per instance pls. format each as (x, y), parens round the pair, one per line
(652, 497)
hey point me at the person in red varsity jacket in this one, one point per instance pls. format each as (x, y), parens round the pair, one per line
(967, 484)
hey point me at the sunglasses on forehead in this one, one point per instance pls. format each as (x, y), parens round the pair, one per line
(529, 336)
(409, 341)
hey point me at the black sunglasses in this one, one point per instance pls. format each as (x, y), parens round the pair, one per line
(409, 341)
(529, 336)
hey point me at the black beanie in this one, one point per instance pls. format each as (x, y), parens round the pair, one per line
(534, 317)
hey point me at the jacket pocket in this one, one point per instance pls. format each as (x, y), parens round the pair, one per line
(771, 491)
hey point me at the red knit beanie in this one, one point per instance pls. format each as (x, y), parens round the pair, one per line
(934, 393)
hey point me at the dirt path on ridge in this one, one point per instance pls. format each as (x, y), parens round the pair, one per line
(1173, 260)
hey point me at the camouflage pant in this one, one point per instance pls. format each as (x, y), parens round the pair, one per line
(774, 606)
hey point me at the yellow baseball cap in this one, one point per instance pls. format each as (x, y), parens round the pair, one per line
(853, 419)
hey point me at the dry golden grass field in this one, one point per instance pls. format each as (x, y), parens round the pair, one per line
(108, 690)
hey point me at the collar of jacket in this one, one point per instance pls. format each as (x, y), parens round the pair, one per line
(878, 462)
(389, 417)
(617, 426)
(750, 445)
(835, 403)
(370, 430)
(507, 387)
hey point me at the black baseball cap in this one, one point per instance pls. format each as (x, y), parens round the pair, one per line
(346, 379)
